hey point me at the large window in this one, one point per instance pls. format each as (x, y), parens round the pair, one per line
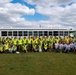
(14, 33)
(73, 32)
(4, 33)
(55, 33)
(30, 33)
(61, 33)
(50, 33)
(45, 33)
(40, 33)
(9, 33)
(35, 33)
(25, 33)
(65, 33)
(19, 33)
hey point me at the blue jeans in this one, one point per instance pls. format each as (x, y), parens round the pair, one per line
(67, 51)
(57, 49)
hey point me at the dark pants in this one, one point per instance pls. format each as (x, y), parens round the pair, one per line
(19, 48)
(6, 51)
(29, 48)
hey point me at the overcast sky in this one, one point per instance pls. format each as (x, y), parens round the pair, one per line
(33, 13)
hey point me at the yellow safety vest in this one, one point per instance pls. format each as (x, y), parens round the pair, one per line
(34, 46)
(14, 41)
(33, 41)
(67, 40)
(41, 42)
(45, 45)
(36, 40)
(51, 44)
(15, 48)
(25, 47)
(57, 40)
(20, 42)
(24, 41)
(6, 46)
(29, 41)
(1, 48)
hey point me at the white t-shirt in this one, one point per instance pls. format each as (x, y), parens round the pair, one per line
(71, 45)
(60, 46)
(56, 45)
(64, 45)
(67, 46)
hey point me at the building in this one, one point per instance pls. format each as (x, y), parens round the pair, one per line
(11, 32)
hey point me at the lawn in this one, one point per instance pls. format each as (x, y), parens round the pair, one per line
(45, 63)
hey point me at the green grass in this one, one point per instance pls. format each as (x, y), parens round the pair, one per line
(45, 63)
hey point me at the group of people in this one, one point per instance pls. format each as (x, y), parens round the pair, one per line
(37, 44)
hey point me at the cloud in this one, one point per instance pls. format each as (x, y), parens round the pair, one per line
(49, 2)
(19, 9)
(59, 17)
(10, 14)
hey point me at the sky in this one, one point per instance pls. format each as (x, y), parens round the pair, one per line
(38, 13)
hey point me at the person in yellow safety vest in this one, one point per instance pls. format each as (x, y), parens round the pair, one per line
(10, 41)
(24, 40)
(29, 43)
(35, 47)
(14, 49)
(6, 47)
(19, 43)
(14, 41)
(48, 39)
(37, 40)
(67, 39)
(51, 46)
(53, 42)
(24, 46)
(64, 39)
(53, 39)
(33, 41)
(6, 39)
(45, 47)
(43, 40)
(29, 40)
(57, 39)
(3, 40)
(1, 48)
